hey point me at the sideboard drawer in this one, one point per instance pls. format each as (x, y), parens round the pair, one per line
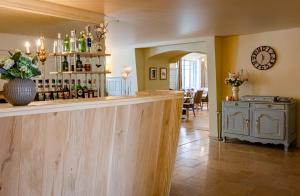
(236, 104)
(269, 106)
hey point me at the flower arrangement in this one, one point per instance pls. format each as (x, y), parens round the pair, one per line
(19, 65)
(235, 79)
(100, 31)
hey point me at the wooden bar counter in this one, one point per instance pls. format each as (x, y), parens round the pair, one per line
(112, 146)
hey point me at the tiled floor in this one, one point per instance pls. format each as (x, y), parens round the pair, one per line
(208, 167)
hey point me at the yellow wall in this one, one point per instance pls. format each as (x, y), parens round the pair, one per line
(157, 84)
(282, 80)
(140, 68)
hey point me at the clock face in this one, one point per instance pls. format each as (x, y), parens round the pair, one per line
(263, 58)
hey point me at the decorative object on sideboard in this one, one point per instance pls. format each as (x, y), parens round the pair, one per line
(229, 98)
(152, 73)
(163, 75)
(263, 57)
(235, 80)
(19, 68)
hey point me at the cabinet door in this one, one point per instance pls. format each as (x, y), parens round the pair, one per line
(269, 124)
(236, 121)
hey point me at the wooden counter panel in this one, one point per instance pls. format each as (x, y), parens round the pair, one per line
(123, 150)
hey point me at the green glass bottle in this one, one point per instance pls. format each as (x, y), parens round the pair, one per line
(79, 90)
(82, 42)
(65, 64)
(67, 43)
(79, 65)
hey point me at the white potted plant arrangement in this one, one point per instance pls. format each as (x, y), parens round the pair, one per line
(235, 80)
(18, 69)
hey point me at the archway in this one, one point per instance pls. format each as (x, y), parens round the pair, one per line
(178, 49)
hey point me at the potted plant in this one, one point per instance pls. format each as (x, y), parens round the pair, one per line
(235, 80)
(18, 69)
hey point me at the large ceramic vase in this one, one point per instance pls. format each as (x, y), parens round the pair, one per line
(235, 93)
(19, 92)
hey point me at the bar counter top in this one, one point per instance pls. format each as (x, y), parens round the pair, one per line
(40, 107)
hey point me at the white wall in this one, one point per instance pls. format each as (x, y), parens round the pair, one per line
(121, 57)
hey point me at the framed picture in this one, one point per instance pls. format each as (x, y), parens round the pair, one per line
(163, 73)
(152, 73)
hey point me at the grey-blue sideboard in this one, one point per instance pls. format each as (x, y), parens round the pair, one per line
(260, 119)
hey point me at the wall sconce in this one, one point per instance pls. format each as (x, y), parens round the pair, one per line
(127, 69)
(125, 76)
(40, 50)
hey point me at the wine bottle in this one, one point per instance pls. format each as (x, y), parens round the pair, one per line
(67, 43)
(59, 43)
(90, 89)
(82, 42)
(88, 38)
(47, 90)
(53, 90)
(79, 90)
(73, 90)
(41, 95)
(85, 90)
(65, 64)
(95, 89)
(78, 64)
(73, 42)
(60, 92)
(66, 90)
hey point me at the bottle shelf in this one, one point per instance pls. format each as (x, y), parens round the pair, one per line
(82, 54)
(81, 72)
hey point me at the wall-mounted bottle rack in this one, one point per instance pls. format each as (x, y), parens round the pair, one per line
(72, 73)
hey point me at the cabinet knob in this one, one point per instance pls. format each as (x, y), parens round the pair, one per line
(247, 123)
(257, 124)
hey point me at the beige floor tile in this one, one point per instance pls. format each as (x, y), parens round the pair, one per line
(208, 167)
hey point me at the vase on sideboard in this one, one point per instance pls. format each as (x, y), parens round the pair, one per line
(235, 93)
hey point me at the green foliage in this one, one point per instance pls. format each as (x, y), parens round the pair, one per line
(16, 56)
(19, 65)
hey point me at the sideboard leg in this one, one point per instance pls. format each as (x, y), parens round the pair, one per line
(286, 147)
(224, 139)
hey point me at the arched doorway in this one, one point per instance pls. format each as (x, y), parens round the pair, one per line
(149, 55)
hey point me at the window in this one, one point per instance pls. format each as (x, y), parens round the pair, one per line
(191, 74)
(174, 76)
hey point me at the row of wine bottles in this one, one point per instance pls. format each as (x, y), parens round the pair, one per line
(58, 90)
(78, 67)
(74, 43)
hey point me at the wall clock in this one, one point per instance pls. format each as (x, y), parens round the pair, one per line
(263, 57)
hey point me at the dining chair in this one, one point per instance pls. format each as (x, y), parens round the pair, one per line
(187, 105)
(198, 99)
(205, 100)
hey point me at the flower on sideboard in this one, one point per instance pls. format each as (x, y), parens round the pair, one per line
(236, 79)
(19, 65)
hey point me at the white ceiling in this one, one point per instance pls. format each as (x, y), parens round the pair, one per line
(25, 23)
(143, 21)
(160, 20)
